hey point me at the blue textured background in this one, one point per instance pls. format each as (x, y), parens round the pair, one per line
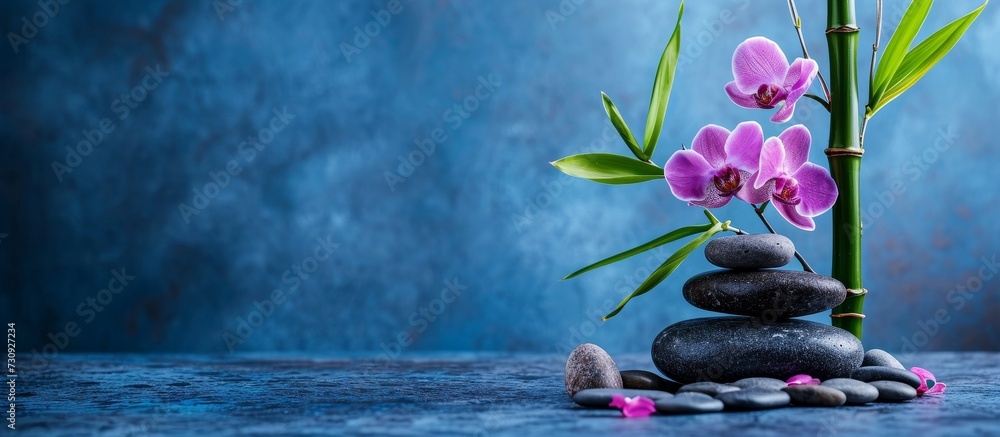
(457, 214)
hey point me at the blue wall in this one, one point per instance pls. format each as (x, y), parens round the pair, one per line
(331, 170)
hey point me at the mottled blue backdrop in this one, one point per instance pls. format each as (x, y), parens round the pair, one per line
(373, 175)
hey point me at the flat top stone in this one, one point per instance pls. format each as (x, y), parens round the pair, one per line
(754, 251)
(435, 394)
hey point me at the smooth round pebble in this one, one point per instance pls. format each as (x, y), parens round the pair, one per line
(816, 395)
(756, 251)
(857, 392)
(754, 399)
(589, 366)
(879, 357)
(707, 387)
(689, 403)
(892, 391)
(884, 373)
(646, 380)
(758, 382)
(601, 397)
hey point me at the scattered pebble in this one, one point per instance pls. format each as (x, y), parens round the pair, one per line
(892, 391)
(879, 357)
(884, 373)
(816, 395)
(757, 382)
(646, 380)
(857, 392)
(689, 403)
(706, 387)
(754, 399)
(601, 397)
(589, 366)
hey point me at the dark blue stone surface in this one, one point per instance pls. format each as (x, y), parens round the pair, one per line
(435, 394)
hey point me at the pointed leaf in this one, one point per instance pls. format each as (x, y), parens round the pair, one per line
(899, 44)
(667, 267)
(669, 237)
(924, 56)
(608, 169)
(621, 127)
(662, 84)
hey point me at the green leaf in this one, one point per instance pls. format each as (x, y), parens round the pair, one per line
(924, 56)
(669, 237)
(668, 267)
(662, 84)
(608, 169)
(899, 44)
(621, 127)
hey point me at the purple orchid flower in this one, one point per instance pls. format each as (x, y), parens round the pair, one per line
(764, 79)
(925, 378)
(802, 379)
(800, 190)
(633, 407)
(721, 164)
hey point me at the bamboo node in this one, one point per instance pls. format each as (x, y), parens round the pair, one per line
(841, 315)
(843, 29)
(840, 151)
(854, 292)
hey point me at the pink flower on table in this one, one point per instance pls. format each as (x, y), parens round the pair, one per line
(633, 407)
(764, 79)
(800, 190)
(802, 379)
(925, 378)
(720, 164)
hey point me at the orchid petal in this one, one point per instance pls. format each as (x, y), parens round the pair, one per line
(817, 190)
(710, 142)
(688, 174)
(752, 195)
(618, 401)
(801, 74)
(740, 98)
(802, 379)
(772, 162)
(758, 61)
(938, 388)
(796, 140)
(713, 198)
(924, 376)
(784, 113)
(638, 406)
(743, 146)
(789, 213)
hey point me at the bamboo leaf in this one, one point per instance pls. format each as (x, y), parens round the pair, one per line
(899, 44)
(621, 127)
(662, 84)
(924, 56)
(608, 169)
(667, 267)
(667, 238)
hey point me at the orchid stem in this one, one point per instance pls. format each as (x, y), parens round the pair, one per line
(826, 105)
(871, 70)
(797, 22)
(760, 213)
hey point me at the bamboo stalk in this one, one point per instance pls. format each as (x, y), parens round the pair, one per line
(844, 153)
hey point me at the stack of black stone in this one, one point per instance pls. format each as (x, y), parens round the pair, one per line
(762, 340)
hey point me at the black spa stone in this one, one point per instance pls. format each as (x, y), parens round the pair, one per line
(767, 294)
(757, 382)
(816, 395)
(885, 373)
(857, 392)
(646, 380)
(758, 251)
(689, 403)
(601, 397)
(892, 391)
(879, 357)
(754, 399)
(727, 349)
(707, 388)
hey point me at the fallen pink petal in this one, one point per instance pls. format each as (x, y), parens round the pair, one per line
(802, 379)
(633, 407)
(928, 383)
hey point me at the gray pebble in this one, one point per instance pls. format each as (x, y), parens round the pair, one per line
(601, 397)
(754, 399)
(689, 403)
(816, 395)
(892, 391)
(706, 387)
(589, 366)
(858, 392)
(883, 373)
(758, 382)
(645, 380)
(757, 251)
(879, 357)
(767, 294)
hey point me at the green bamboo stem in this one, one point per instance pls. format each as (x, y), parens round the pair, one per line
(845, 159)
